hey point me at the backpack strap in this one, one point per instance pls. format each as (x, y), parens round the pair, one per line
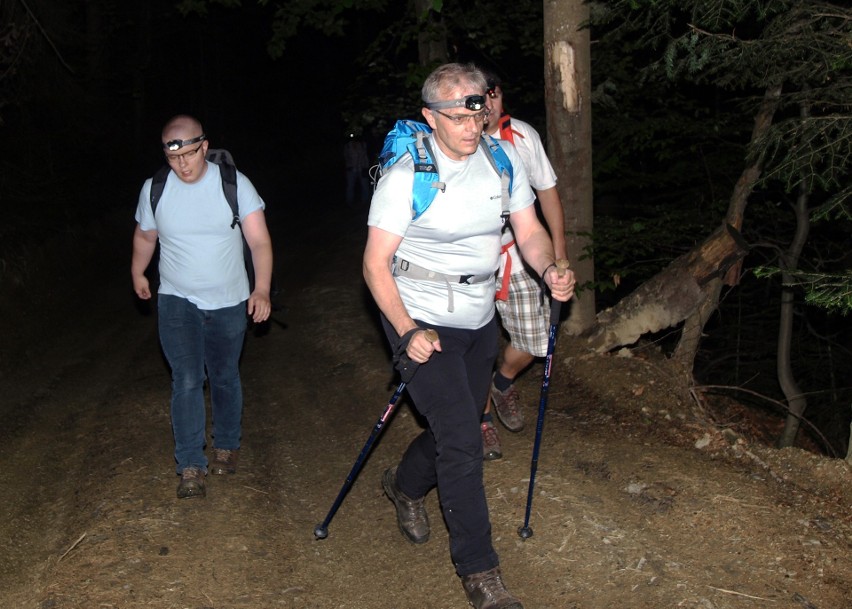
(228, 173)
(229, 187)
(502, 165)
(158, 183)
(425, 174)
(506, 131)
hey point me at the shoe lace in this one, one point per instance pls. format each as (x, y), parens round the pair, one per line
(221, 454)
(511, 400)
(489, 435)
(492, 587)
(414, 507)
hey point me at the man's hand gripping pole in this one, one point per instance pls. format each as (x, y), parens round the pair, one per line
(407, 369)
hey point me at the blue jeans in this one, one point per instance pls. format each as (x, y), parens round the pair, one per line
(450, 391)
(193, 341)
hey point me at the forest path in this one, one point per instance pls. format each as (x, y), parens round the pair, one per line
(627, 511)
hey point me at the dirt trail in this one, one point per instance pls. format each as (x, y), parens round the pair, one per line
(628, 512)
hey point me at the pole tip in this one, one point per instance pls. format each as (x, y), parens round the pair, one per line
(525, 532)
(320, 532)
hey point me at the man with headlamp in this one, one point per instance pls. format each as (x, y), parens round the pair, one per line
(523, 314)
(203, 295)
(457, 239)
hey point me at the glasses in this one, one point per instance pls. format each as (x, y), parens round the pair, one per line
(463, 119)
(186, 156)
(470, 102)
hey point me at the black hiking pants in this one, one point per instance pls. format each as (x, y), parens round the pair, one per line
(450, 392)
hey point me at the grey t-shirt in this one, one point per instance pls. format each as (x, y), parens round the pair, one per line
(459, 234)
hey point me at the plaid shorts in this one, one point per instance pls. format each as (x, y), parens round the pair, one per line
(524, 316)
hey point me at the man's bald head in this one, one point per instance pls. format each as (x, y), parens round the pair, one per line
(185, 147)
(182, 127)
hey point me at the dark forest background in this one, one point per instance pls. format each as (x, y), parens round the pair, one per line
(85, 87)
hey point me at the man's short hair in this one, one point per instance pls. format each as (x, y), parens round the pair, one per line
(451, 76)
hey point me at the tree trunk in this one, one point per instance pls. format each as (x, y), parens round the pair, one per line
(796, 402)
(685, 291)
(849, 446)
(693, 326)
(432, 36)
(678, 292)
(567, 81)
(690, 338)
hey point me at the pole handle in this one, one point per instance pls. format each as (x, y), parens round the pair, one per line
(403, 363)
(556, 306)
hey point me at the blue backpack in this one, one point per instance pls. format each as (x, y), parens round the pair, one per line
(411, 137)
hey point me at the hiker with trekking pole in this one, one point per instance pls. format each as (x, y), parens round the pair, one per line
(431, 268)
(522, 310)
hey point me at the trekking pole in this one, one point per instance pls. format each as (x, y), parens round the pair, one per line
(321, 530)
(525, 531)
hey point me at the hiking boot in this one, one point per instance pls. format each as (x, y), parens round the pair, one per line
(507, 406)
(191, 483)
(224, 461)
(485, 590)
(491, 449)
(410, 513)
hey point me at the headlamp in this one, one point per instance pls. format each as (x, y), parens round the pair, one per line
(178, 144)
(471, 102)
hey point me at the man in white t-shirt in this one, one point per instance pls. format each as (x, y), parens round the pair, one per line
(523, 313)
(203, 295)
(455, 246)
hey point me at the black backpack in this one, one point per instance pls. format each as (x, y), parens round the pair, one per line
(228, 171)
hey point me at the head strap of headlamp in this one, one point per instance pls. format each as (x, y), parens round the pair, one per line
(178, 144)
(471, 102)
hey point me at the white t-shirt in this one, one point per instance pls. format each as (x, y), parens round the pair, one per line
(201, 256)
(529, 145)
(459, 234)
(541, 175)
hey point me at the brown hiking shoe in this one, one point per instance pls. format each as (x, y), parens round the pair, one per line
(485, 590)
(224, 461)
(491, 448)
(410, 513)
(507, 406)
(191, 483)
